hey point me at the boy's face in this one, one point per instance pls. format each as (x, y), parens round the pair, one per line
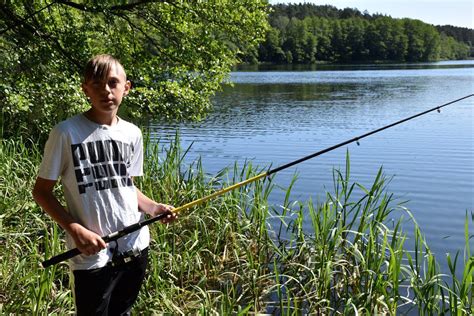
(106, 95)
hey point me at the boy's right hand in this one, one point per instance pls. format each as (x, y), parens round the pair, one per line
(88, 242)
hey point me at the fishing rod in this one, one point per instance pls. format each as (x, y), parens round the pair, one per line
(132, 228)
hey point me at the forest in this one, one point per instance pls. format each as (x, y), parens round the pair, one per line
(308, 33)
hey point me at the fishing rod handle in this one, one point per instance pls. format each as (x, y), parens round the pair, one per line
(61, 257)
(111, 237)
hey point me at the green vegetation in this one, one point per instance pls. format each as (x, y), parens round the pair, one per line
(307, 33)
(225, 258)
(236, 254)
(177, 53)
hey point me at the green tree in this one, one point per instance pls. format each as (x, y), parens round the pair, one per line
(398, 43)
(431, 39)
(415, 50)
(321, 28)
(270, 50)
(340, 50)
(298, 41)
(423, 41)
(356, 29)
(377, 38)
(177, 53)
(452, 49)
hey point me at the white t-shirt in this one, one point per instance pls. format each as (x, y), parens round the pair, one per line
(95, 164)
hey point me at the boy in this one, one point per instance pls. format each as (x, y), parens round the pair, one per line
(96, 154)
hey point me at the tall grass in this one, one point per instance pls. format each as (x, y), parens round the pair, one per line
(237, 254)
(27, 236)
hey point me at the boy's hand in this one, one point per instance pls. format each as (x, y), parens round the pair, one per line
(164, 208)
(152, 208)
(88, 242)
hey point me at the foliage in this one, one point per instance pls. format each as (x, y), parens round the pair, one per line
(237, 254)
(305, 33)
(461, 34)
(175, 52)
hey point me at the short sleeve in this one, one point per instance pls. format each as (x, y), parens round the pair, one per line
(136, 165)
(52, 164)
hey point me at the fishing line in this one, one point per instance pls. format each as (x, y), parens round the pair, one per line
(129, 229)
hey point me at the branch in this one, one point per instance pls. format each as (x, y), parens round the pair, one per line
(122, 7)
(3, 8)
(147, 36)
(32, 28)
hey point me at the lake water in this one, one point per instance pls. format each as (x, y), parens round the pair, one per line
(274, 116)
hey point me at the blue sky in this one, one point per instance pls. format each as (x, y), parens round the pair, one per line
(442, 12)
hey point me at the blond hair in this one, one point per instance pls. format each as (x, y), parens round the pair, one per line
(99, 66)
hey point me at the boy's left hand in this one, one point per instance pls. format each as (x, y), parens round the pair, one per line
(164, 208)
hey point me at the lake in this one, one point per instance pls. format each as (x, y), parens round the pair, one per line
(272, 116)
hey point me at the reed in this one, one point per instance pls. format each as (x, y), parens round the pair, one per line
(237, 254)
(26, 237)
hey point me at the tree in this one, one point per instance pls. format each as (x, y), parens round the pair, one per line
(413, 30)
(452, 49)
(270, 50)
(423, 41)
(376, 40)
(295, 40)
(321, 28)
(357, 29)
(177, 53)
(339, 41)
(398, 44)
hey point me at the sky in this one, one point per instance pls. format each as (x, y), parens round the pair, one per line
(438, 12)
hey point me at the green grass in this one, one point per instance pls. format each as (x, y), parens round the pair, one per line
(237, 254)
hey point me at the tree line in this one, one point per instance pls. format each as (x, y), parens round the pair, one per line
(461, 34)
(308, 33)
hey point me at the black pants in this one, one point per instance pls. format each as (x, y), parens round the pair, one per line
(110, 290)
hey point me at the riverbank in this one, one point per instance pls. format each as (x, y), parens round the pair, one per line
(223, 258)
